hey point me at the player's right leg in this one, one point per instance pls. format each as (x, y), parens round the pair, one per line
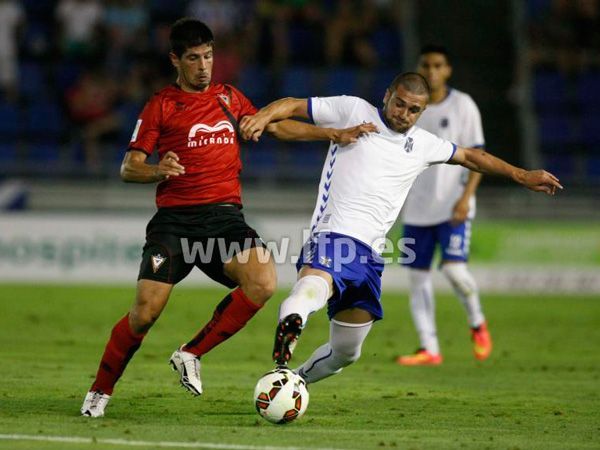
(422, 300)
(309, 294)
(348, 330)
(125, 339)
(422, 308)
(455, 240)
(162, 266)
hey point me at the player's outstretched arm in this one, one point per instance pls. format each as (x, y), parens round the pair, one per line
(134, 168)
(252, 127)
(293, 130)
(481, 161)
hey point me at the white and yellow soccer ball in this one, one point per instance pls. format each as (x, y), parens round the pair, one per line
(281, 396)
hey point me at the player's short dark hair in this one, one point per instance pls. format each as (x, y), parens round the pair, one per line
(436, 48)
(413, 82)
(187, 33)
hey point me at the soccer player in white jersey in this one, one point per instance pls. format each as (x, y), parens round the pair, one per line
(438, 212)
(362, 189)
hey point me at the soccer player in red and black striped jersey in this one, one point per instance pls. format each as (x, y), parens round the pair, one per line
(193, 126)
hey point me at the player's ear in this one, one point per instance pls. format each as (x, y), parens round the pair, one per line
(386, 97)
(174, 60)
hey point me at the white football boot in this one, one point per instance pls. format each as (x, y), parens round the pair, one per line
(188, 366)
(94, 404)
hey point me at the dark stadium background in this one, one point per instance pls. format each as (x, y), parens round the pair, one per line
(532, 66)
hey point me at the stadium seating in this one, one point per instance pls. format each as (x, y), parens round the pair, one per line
(32, 80)
(44, 151)
(8, 152)
(298, 81)
(255, 82)
(589, 92)
(341, 81)
(44, 120)
(11, 124)
(550, 91)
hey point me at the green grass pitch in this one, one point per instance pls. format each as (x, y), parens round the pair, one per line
(540, 388)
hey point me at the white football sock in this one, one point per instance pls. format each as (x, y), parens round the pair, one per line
(343, 348)
(309, 294)
(465, 288)
(422, 307)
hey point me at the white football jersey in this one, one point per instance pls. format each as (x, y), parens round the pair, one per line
(363, 185)
(433, 196)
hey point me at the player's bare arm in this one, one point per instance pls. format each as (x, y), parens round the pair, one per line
(134, 168)
(481, 161)
(460, 211)
(293, 130)
(252, 127)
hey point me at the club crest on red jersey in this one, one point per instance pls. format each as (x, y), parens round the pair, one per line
(225, 99)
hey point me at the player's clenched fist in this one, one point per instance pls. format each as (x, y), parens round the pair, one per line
(169, 166)
(252, 127)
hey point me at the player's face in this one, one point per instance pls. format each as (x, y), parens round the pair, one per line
(435, 68)
(402, 108)
(194, 68)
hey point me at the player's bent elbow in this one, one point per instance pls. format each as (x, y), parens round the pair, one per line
(126, 174)
(123, 173)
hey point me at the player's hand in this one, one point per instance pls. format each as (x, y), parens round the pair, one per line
(460, 212)
(252, 127)
(350, 135)
(540, 181)
(169, 166)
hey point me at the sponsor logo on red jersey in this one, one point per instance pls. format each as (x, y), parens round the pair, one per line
(201, 134)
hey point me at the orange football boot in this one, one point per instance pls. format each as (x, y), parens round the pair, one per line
(421, 358)
(482, 342)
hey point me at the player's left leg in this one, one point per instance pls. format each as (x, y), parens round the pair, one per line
(239, 261)
(455, 250)
(348, 330)
(253, 271)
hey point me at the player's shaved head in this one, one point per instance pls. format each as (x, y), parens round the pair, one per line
(412, 82)
(187, 33)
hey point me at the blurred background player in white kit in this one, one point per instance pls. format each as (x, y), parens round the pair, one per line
(439, 210)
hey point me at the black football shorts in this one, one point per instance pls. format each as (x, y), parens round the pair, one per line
(204, 236)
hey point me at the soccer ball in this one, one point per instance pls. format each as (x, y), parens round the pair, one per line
(280, 396)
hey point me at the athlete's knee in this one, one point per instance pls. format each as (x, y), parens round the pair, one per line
(142, 317)
(419, 277)
(458, 274)
(261, 286)
(146, 310)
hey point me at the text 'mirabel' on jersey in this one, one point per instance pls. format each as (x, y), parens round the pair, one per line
(198, 128)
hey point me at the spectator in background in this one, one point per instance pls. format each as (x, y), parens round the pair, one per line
(80, 23)
(348, 35)
(91, 105)
(225, 17)
(305, 23)
(127, 23)
(12, 18)
(268, 33)
(568, 36)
